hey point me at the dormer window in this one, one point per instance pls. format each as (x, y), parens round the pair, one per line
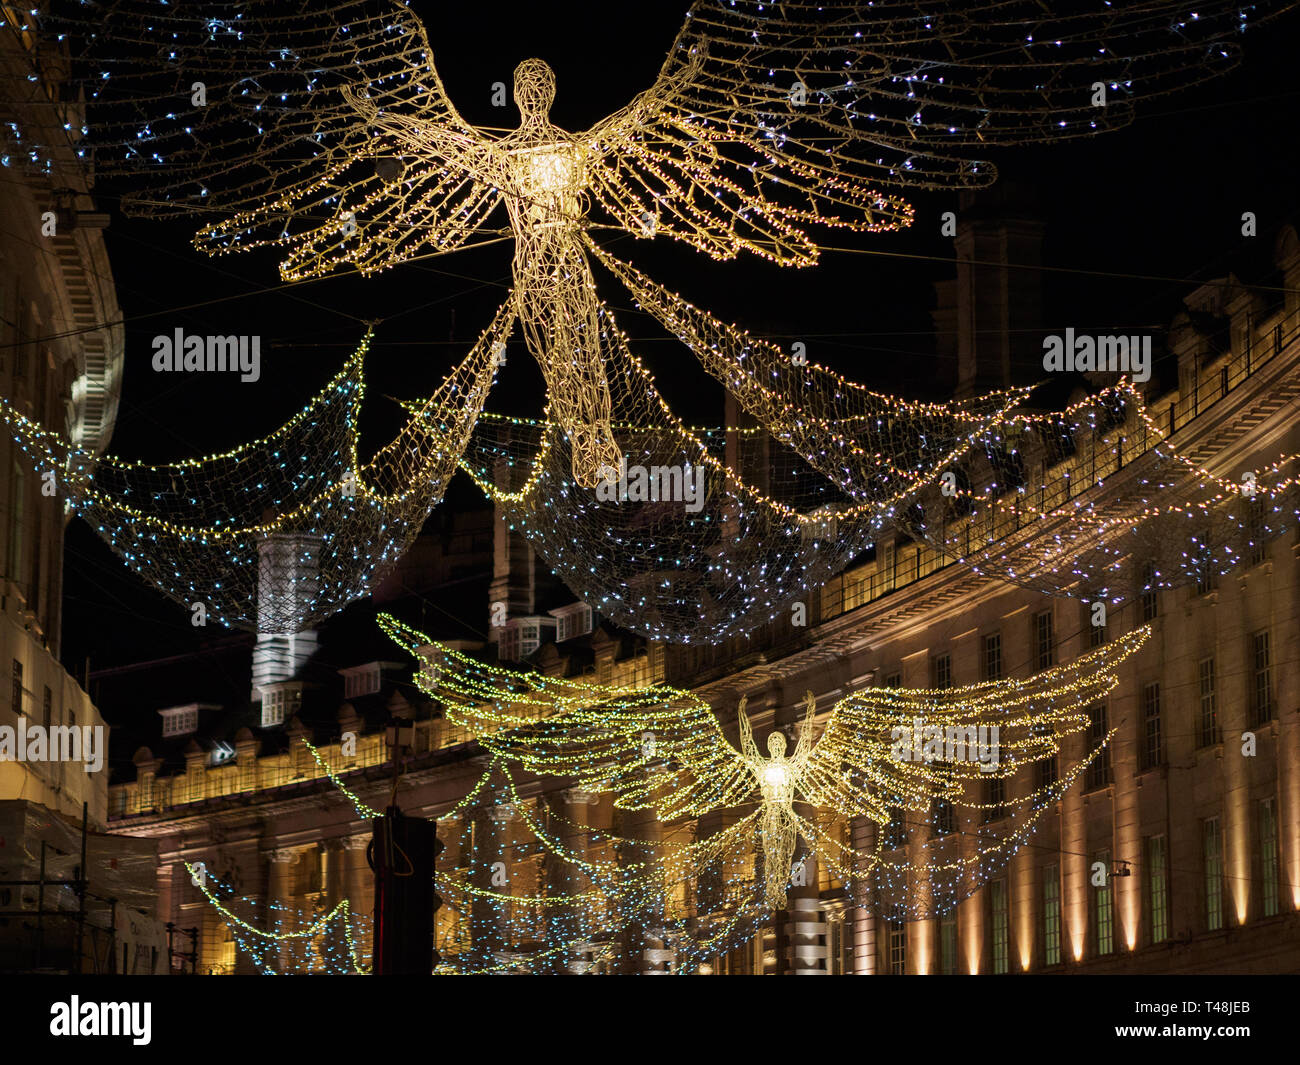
(279, 703)
(572, 621)
(363, 680)
(180, 720)
(522, 636)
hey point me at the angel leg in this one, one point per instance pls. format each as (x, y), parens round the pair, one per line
(558, 308)
(779, 833)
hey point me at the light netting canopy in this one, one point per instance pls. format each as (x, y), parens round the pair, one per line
(285, 531)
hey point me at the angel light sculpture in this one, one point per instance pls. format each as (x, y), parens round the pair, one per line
(327, 134)
(664, 749)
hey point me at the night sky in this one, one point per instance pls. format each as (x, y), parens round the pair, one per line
(1163, 198)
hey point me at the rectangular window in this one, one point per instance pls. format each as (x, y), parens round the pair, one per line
(17, 521)
(1098, 773)
(1208, 732)
(896, 831)
(1000, 924)
(1104, 907)
(1150, 593)
(948, 943)
(1212, 849)
(1044, 642)
(897, 933)
(1052, 915)
(1096, 622)
(1152, 749)
(942, 817)
(941, 671)
(894, 680)
(1206, 578)
(995, 799)
(16, 696)
(993, 656)
(1268, 858)
(47, 710)
(1157, 848)
(1256, 533)
(1261, 691)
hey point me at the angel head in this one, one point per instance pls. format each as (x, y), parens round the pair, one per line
(534, 89)
(776, 744)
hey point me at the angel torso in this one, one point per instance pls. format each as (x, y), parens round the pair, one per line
(776, 778)
(548, 180)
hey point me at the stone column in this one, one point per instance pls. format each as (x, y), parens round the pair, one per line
(864, 921)
(358, 887)
(565, 924)
(490, 871)
(800, 928)
(280, 894)
(643, 951)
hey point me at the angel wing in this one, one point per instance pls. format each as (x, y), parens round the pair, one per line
(285, 124)
(654, 748)
(663, 751)
(867, 762)
(768, 117)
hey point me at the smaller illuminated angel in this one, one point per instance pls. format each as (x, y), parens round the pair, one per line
(777, 776)
(876, 756)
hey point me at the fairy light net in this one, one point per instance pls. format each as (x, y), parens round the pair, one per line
(282, 532)
(1096, 502)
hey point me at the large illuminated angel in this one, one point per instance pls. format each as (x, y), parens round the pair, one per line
(326, 133)
(881, 752)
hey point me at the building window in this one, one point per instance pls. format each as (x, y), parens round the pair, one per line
(572, 621)
(941, 671)
(894, 680)
(942, 816)
(508, 644)
(948, 943)
(1045, 769)
(1104, 907)
(1098, 773)
(993, 656)
(1255, 532)
(888, 560)
(1052, 915)
(897, 946)
(361, 681)
(1045, 644)
(1096, 633)
(1261, 691)
(896, 831)
(1157, 848)
(180, 721)
(17, 693)
(1212, 849)
(1150, 594)
(47, 710)
(1152, 750)
(274, 703)
(1000, 924)
(1206, 579)
(995, 799)
(1268, 858)
(1208, 733)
